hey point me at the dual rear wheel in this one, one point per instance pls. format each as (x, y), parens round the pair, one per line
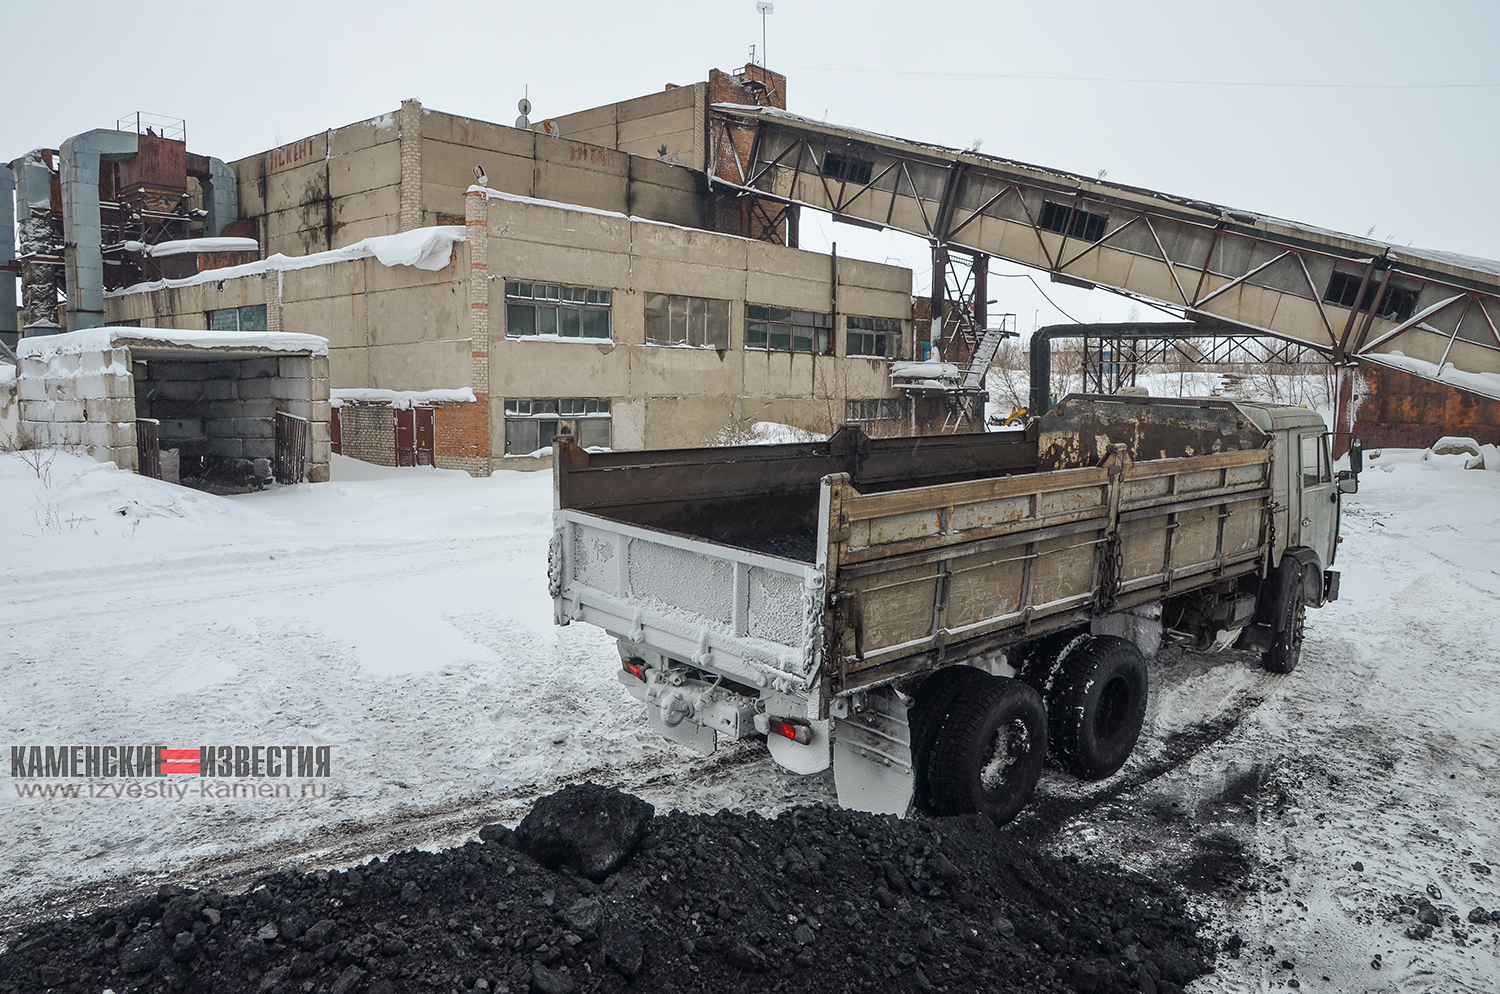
(979, 741)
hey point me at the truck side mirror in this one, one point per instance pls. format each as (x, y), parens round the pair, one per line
(1348, 482)
(1356, 455)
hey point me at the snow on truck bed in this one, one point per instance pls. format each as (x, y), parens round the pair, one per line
(401, 618)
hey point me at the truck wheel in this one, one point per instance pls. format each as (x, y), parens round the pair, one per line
(989, 751)
(1097, 705)
(1286, 641)
(1035, 661)
(934, 700)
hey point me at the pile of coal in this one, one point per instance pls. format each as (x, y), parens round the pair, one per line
(593, 892)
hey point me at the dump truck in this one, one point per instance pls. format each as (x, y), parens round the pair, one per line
(934, 616)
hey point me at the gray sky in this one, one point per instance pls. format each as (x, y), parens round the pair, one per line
(1348, 115)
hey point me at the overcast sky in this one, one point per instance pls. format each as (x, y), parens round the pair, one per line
(1355, 116)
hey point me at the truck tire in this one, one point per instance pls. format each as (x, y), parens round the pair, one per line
(934, 699)
(989, 751)
(1097, 705)
(1035, 661)
(1286, 640)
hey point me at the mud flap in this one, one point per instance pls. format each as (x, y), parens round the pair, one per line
(696, 737)
(872, 756)
(813, 757)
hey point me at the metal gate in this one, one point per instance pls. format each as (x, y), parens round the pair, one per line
(291, 448)
(148, 446)
(415, 433)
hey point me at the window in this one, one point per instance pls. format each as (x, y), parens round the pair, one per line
(1398, 304)
(873, 410)
(873, 336)
(530, 424)
(846, 168)
(1084, 224)
(252, 318)
(695, 321)
(547, 310)
(781, 330)
(1315, 465)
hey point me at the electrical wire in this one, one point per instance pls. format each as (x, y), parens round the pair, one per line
(1168, 82)
(1027, 276)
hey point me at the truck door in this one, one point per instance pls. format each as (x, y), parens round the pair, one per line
(1318, 514)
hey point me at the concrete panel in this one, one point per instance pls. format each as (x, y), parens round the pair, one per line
(449, 164)
(679, 422)
(367, 169)
(593, 119)
(339, 319)
(466, 131)
(660, 203)
(659, 370)
(653, 275)
(431, 366)
(295, 186)
(655, 104)
(334, 280)
(349, 368)
(380, 203)
(381, 277)
(558, 369)
(356, 231)
(363, 135)
(429, 314)
(778, 374)
(556, 264)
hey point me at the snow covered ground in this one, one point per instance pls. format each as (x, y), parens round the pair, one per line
(401, 618)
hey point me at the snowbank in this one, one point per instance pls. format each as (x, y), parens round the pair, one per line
(429, 249)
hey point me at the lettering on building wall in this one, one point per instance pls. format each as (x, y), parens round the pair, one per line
(289, 156)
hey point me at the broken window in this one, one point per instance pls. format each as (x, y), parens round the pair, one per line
(781, 330)
(1398, 304)
(696, 321)
(549, 310)
(873, 410)
(1083, 224)
(252, 318)
(531, 423)
(879, 337)
(846, 168)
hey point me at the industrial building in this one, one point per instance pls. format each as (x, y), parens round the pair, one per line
(631, 274)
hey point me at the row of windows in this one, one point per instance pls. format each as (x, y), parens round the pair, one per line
(874, 410)
(534, 310)
(531, 423)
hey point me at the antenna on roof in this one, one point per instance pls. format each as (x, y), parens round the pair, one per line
(765, 7)
(524, 106)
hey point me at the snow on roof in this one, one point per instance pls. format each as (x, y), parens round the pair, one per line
(429, 249)
(1485, 384)
(516, 198)
(99, 339)
(190, 246)
(402, 399)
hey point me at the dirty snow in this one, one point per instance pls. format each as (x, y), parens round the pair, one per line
(401, 617)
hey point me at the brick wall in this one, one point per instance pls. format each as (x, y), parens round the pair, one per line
(411, 166)
(736, 215)
(463, 437)
(367, 433)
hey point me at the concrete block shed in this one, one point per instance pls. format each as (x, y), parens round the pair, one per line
(214, 410)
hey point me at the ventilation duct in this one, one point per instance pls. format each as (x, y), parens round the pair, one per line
(9, 333)
(221, 198)
(82, 255)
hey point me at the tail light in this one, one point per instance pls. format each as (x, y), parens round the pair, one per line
(636, 668)
(796, 731)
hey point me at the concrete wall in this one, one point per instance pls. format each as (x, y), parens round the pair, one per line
(401, 328)
(668, 126)
(665, 397)
(410, 168)
(80, 401)
(226, 409)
